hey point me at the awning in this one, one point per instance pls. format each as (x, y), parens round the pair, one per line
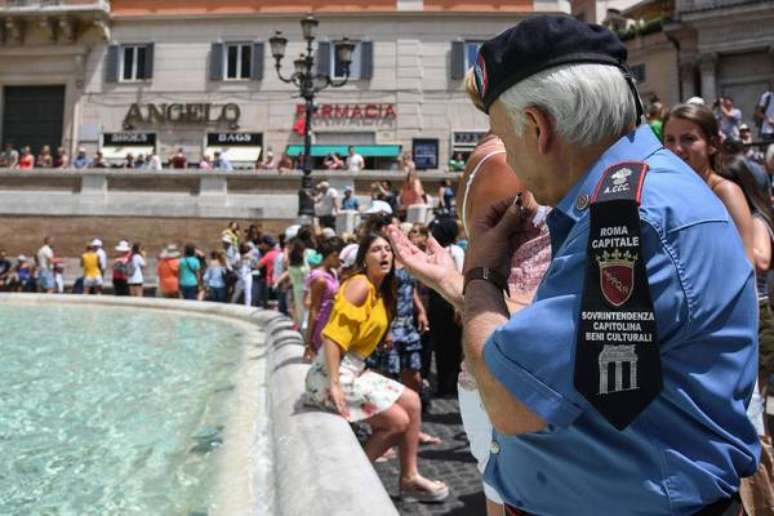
(372, 151)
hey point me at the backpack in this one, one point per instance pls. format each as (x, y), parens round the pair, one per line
(230, 277)
(124, 267)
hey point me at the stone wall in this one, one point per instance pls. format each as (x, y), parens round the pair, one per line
(24, 234)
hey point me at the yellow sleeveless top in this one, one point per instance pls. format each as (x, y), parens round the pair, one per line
(91, 265)
(357, 329)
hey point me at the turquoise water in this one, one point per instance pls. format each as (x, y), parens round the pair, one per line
(111, 410)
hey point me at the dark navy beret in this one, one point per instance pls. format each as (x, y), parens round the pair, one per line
(538, 43)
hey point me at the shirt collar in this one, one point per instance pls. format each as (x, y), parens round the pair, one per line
(635, 146)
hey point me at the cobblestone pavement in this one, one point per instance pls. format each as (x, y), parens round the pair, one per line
(449, 461)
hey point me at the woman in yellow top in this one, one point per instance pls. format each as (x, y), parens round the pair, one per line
(92, 272)
(338, 380)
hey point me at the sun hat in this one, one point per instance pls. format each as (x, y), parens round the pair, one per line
(328, 233)
(695, 100)
(323, 184)
(171, 251)
(22, 258)
(123, 246)
(96, 242)
(379, 207)
(744, 127)
(348, 255)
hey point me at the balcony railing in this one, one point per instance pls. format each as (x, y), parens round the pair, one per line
(38, 6)
(689, 6)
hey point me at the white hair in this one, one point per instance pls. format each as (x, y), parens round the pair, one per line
(588, 103)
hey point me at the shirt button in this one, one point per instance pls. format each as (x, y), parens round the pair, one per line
(494, 448)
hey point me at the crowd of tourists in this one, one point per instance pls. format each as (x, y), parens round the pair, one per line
(685, 430)
(24, 159)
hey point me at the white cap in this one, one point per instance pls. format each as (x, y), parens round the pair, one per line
(96, 243)
(328, 233)
(292, 231)
(348, 255)
(379, 207)
(123, 246)
(695, 100)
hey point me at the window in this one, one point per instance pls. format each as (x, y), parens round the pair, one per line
(471, 53)
(238, 58)
(338, 67)
(134, 61)
(638, 72)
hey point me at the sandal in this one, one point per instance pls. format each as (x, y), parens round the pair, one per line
(435, 494)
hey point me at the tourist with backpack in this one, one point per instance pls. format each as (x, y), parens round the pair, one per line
(120, 269)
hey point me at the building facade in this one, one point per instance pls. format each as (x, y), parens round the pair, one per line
(726, 49)
(146, 76)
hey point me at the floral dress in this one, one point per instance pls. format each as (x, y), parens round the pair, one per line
(357, 330)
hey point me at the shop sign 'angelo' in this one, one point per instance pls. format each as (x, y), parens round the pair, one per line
(192, 113)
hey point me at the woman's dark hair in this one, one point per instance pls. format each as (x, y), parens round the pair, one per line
(136, 248)
(306, 235)
(375, 223)
(388, 289)
(189, 250)
(705, 119)
(330, 246)
(444, 230)
(737, 169)
(296, 255)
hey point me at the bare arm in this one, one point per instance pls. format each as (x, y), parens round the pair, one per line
(422, 320)
(761, 245)
(735, 203)
(315, 294)
(485, 310)
(333, 354)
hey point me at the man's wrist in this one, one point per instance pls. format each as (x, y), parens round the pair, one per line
(487, 274)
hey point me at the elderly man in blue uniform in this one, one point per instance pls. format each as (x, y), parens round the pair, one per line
(622, 388)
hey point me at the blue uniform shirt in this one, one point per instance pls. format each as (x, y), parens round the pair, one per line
(691, 445)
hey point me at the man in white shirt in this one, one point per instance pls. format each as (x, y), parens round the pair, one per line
(101, 254)
(729, 118)
(355, 162)
(45, 257)
(764, 114)
(326, 205)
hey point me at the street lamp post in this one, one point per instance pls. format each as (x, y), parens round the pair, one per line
(309, 84)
